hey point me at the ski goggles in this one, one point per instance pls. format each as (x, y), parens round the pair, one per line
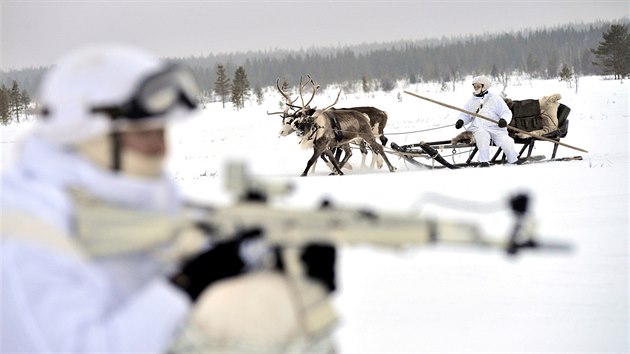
(156, 95)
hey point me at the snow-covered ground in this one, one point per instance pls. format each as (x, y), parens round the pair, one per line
(444, 298)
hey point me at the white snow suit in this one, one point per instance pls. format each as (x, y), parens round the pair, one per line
(493, 107)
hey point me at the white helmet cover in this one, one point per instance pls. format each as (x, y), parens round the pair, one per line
(97, 75)
(483, 80)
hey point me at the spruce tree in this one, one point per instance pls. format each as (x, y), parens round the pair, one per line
(365, 85)
(15, 101)
(5, 112)
(25, 101)
(565, 74)
(222, 84)
(259, 95)
(240, 88)
(613, 53)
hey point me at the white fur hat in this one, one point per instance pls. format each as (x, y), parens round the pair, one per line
(483, 80)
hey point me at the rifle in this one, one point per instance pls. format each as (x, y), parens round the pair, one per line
(343, 226)
(292, 229)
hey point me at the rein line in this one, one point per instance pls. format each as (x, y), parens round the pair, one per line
(400, 133)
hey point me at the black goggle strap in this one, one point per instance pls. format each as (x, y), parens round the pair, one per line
(116, 151)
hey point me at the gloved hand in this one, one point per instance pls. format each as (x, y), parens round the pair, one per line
(502, 123)
(226, 259)
(459, 124)
(318, 260)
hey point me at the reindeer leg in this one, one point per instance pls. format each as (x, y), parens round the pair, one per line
(334, 161)
(321, 149)
(376, 160)
(310, 163)
(364, 152)
(348, 153)
(378, 149)
(338, 151)
(328, 163)
(318, 150)
(383, 139)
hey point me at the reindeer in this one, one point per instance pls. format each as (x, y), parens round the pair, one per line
(288, 118)
(320, 130)
(377, 120)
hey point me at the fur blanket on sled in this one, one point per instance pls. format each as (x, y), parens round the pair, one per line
(464, 138)
(549, 113)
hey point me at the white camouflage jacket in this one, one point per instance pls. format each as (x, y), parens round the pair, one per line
(55, 297)
(491, 106)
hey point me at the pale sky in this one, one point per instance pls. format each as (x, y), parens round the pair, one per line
(36, 32)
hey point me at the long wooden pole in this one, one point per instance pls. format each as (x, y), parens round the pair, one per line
(494, 121)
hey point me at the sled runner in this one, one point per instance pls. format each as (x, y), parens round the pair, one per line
(526, 116)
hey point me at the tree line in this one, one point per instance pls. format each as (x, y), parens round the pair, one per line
(539, 54)
(565, 52)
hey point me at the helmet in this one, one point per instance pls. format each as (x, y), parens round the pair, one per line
(105, 88)
(483, 80)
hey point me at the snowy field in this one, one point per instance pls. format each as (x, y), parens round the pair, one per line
(447, 299)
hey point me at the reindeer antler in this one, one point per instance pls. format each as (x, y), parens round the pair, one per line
(288, 99)
(315, 88)
(286, 110)
(334, 103)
